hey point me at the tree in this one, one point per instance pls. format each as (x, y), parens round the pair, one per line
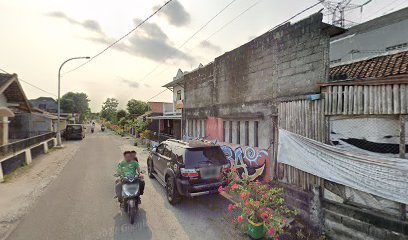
(121, 114)
(75, 103)
(137, 107)
(109, 109)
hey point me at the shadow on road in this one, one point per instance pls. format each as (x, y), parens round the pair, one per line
(139, 230)
(198, 215)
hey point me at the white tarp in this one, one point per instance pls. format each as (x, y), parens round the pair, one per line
(382, 176)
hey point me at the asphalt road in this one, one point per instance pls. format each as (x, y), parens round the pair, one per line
(79, 204)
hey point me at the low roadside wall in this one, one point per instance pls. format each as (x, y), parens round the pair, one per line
(20, 153)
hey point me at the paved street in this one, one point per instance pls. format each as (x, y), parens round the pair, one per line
(79, 203)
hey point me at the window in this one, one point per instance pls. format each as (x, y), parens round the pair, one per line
(167, 151)
(224, 124)
(195, 156)
(256, 134)
(238, 132)
(160, 149)
(230, 132)
(190, 128)
(399, 46)
(246, 133)
(335, 61)
(178, 95)
(204, 128)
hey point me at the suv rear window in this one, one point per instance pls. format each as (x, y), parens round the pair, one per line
(74, 128)
(195, 156)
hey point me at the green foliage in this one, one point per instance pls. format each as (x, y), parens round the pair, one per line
(137, 107)
(259, 203)
(121, 114)
(145, 134)
(109, 109)
(75, 103)
(122, 121)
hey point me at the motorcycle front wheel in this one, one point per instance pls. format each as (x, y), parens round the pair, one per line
(132, 212)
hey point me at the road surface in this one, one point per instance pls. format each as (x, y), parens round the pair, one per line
(79, 204)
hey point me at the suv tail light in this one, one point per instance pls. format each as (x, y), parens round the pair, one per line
(188, 172)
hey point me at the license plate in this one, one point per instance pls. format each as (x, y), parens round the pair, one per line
(207, 173)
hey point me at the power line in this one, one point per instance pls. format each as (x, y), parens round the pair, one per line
(232, 20)
(185, 42)
(32, 85)
(214, 33)
(156, 95)
(120, 39)
(294, 16)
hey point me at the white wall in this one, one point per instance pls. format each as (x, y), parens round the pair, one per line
(372, 41)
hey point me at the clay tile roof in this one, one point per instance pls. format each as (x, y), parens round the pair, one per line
(377, 67)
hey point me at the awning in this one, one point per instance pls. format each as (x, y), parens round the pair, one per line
(170, 117)
(6, 112)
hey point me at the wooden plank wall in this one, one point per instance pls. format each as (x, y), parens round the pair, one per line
(299, 178)
(305, 118)
(366, 99)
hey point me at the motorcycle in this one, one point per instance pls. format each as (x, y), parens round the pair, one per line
(103, 129)
(130, 195)
(92, 130)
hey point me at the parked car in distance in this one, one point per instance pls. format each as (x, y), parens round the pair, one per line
(187, 168)
(74, 131)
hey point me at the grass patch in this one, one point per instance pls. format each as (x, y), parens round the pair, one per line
(16, 172)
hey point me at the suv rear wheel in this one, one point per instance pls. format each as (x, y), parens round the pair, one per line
(172, 194)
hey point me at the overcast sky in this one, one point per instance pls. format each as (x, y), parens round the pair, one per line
(37, 37)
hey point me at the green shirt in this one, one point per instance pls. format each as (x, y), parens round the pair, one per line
(128, 168)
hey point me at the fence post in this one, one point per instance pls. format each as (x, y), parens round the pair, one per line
(1, 173)
(45, 144)
(402, 151)
(28, 157)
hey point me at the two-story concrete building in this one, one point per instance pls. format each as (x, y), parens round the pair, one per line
(233, 100)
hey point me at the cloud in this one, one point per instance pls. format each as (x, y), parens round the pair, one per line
(87, 24)
(148, 41)
(208, 45)
(131, 84)
(175, 14)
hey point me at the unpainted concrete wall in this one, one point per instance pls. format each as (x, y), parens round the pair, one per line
(243, 84)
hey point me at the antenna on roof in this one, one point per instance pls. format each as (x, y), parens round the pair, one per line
(337, 10)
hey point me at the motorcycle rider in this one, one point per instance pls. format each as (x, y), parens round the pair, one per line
(133, 153)
(128, 167)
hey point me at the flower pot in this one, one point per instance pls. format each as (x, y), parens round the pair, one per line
(256, 230)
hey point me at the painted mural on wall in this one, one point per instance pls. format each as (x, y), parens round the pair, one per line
(249, 161)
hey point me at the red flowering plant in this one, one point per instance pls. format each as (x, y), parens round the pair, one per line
(259, 203)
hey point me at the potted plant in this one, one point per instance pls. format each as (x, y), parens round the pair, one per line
(261, 207)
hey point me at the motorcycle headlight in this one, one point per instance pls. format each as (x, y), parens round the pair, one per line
(130, 190)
